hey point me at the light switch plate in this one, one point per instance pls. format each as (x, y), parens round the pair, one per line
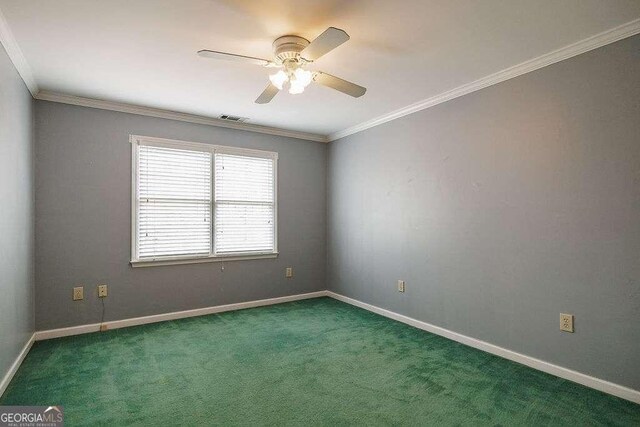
(400, 285)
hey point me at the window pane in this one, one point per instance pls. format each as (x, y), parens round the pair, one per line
(244, 227)
(244, 178)
(169, 229)
(174, 174)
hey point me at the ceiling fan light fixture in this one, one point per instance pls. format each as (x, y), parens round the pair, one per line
(300, 79)
(278, 79)
(303, 77)
(295, 88)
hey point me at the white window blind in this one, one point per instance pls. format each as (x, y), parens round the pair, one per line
(244, 204)
(174, 197)
(200, 202)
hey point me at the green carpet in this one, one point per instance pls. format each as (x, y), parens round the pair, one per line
(313, 362)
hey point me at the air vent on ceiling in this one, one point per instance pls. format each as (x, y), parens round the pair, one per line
(230, 118)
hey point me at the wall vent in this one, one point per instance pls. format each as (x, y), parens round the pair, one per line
(231, 118)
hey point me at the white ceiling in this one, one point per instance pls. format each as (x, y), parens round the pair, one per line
(143, 52)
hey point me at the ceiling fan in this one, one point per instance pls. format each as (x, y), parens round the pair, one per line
(292, 54)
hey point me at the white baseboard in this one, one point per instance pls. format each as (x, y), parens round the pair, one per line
(116, 324)
(541, 365)
(568, 374)
(16, 364)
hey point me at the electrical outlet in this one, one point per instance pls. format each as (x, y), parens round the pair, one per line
(78, 293)
(566, 322)
(400, 285)
(288, 272)
(102, 291)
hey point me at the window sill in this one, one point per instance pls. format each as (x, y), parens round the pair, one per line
(199, 260)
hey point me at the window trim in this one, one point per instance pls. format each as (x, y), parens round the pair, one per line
(137, 140)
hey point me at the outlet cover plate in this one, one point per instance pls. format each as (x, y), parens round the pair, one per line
(566, 322)
(78, 293)
(400, 285)
(102, 291)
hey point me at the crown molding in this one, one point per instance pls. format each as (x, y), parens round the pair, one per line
(16, 56)
(606, 37)
(22, 66)
(173, 115)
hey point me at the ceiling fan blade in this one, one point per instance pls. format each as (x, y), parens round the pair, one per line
(267, 95)
(232, 57)
(325, 42)
(339, 84)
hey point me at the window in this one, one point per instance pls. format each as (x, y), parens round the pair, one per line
(199, 202)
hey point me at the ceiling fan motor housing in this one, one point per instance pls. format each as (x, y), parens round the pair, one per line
(288, 48)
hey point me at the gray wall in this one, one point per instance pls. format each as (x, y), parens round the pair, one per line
(83, 226)
(502, 209)
(16, 214)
